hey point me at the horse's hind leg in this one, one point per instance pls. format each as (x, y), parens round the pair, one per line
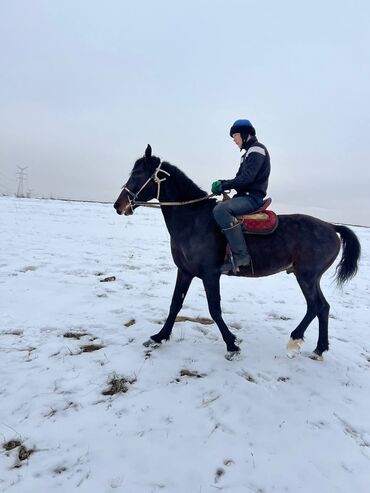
(183, 282)
(323, 316)
(309, 287)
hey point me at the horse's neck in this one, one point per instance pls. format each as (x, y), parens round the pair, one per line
(180, 218)
(177, 187)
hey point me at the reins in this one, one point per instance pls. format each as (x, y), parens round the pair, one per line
(159, 204)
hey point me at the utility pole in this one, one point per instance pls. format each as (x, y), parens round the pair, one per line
(21, 176)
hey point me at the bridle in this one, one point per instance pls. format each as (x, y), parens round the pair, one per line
(133, 196)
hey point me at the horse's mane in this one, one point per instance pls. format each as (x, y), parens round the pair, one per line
(184, 183)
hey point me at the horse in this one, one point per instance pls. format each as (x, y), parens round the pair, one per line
(301, 244)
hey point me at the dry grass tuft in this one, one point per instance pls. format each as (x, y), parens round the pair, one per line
(12, 444)
(119, 385)
(108, 279)
(89, 348)
(75, 335)
(24, 453)
(12, 333)
(191, 373)
(276, 316)
(199, 320)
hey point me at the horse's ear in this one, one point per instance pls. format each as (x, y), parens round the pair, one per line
(148, 153)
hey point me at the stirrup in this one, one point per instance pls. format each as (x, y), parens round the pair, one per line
(228, 265)
(234, 265)
(243, 262)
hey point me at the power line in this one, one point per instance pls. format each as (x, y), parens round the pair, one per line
(21, 177)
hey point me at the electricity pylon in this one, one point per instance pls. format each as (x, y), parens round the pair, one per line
(21, 176)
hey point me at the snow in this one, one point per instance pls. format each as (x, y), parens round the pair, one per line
(265, 423)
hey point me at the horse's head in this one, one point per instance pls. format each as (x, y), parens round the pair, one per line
(142, 184)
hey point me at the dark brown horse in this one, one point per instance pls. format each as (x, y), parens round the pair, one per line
(301, 244)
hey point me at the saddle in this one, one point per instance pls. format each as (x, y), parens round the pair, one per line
(261, 221)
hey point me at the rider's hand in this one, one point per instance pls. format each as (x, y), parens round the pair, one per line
(217, 187)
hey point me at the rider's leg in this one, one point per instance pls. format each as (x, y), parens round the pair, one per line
(224, 214)
(238, 247)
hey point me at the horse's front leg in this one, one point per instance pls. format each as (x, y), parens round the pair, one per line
(212, 288)
(183, 282)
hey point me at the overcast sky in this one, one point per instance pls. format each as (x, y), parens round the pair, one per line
(86, 85)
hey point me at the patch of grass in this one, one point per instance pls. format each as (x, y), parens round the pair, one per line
(199, 320)
(12, 333)
(130, 322)
(191, 373)
(75, 335)
(275, 316)
(119, 385)
(108, 279)
(89, 348)
(11, 444)
(24, 453)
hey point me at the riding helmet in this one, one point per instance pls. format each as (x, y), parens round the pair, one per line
(242, 127)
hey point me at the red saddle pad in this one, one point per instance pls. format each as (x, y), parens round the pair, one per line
(259, 222)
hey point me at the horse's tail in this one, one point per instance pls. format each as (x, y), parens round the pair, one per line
(348, 265)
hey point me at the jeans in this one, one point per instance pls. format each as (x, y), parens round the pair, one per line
(225, 212)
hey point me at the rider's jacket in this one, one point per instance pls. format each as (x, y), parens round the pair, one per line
(253, 174)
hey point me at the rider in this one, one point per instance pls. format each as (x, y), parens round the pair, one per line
(250, 184)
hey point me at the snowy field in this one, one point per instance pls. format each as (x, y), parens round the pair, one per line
(85, 407)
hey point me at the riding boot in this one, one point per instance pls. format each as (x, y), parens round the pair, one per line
(238, 247)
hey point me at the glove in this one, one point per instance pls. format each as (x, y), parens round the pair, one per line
(217, 187)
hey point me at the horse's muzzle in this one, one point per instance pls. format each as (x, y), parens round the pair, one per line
(117, 207)
(126, 209)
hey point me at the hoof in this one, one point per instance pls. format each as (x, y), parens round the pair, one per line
(294, 347)
(233, 355)
(151, 343)
(316, 356)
